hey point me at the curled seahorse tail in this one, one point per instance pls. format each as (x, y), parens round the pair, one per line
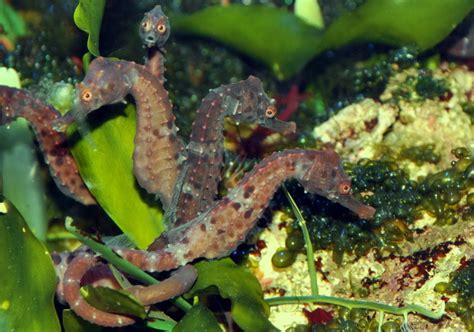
(16, 103)
(150, 261)
(180, 282)
(72, 294)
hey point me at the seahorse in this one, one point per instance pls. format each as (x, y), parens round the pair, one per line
(154, 33)
(179, 283)
(196, 188)
(16, 103)
(218, 231)
(157, 147)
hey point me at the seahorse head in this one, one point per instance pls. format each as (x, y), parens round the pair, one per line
(326, 177)
(103, 84)
(256, 107)
(154, 28)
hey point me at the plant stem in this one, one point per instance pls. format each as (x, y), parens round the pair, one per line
(313, 277)
(352, 304)
(122, 264)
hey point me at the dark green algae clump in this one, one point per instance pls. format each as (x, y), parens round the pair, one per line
(461, 285)
(399, 202)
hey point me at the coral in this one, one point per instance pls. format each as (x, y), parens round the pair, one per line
(366, 129)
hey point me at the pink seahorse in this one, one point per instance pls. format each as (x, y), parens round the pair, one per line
(196, 189)
(157, 147)
(16, 103)
(218, 231)
(179, 283)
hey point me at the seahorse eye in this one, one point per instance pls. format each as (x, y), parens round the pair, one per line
(161, 28)
(146, 25)
(86, 95)
(344, 188)
(270, 112)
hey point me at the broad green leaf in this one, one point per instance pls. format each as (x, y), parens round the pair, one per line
(27, 277)
(235, 283)
(285, 43)
(112, 300)
(11, 22)
(274, 36)
(74, 323)
(104, 157)
(88, 18)
(19, 167)
(419, 23)
(199, 318)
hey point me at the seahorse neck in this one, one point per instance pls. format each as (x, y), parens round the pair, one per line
(157, 147)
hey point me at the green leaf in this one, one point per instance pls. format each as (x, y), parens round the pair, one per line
(235, 283)
(419, 23)
(88, 18)
(104, 157)
(199, 318)
(274, 36)
(112, 300)
(27, 277)
(11, 22)
(74, 323)
(23, 184)
(285, 43)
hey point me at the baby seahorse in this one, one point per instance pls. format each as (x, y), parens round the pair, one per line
(157, 147)
(196, 188)
(154, 33)
(15, 103)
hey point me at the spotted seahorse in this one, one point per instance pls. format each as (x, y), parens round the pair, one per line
(218, 231)
(179, 283)
(15, 103)
(227, 223)
(196, 188)
(157, 147)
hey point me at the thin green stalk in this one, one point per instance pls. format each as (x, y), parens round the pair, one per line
(313, 277)
(381, 318)
(122, 264)
(353, 304)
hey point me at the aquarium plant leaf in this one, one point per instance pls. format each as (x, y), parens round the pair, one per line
(74, 323)
(88, 18)
(237, 284)
(104, 157)
(20, 169)
(27, 277)
(199, 318)
(418, 23)
(285, 43)
(113, 300)
(11, 22)
(272, 35)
